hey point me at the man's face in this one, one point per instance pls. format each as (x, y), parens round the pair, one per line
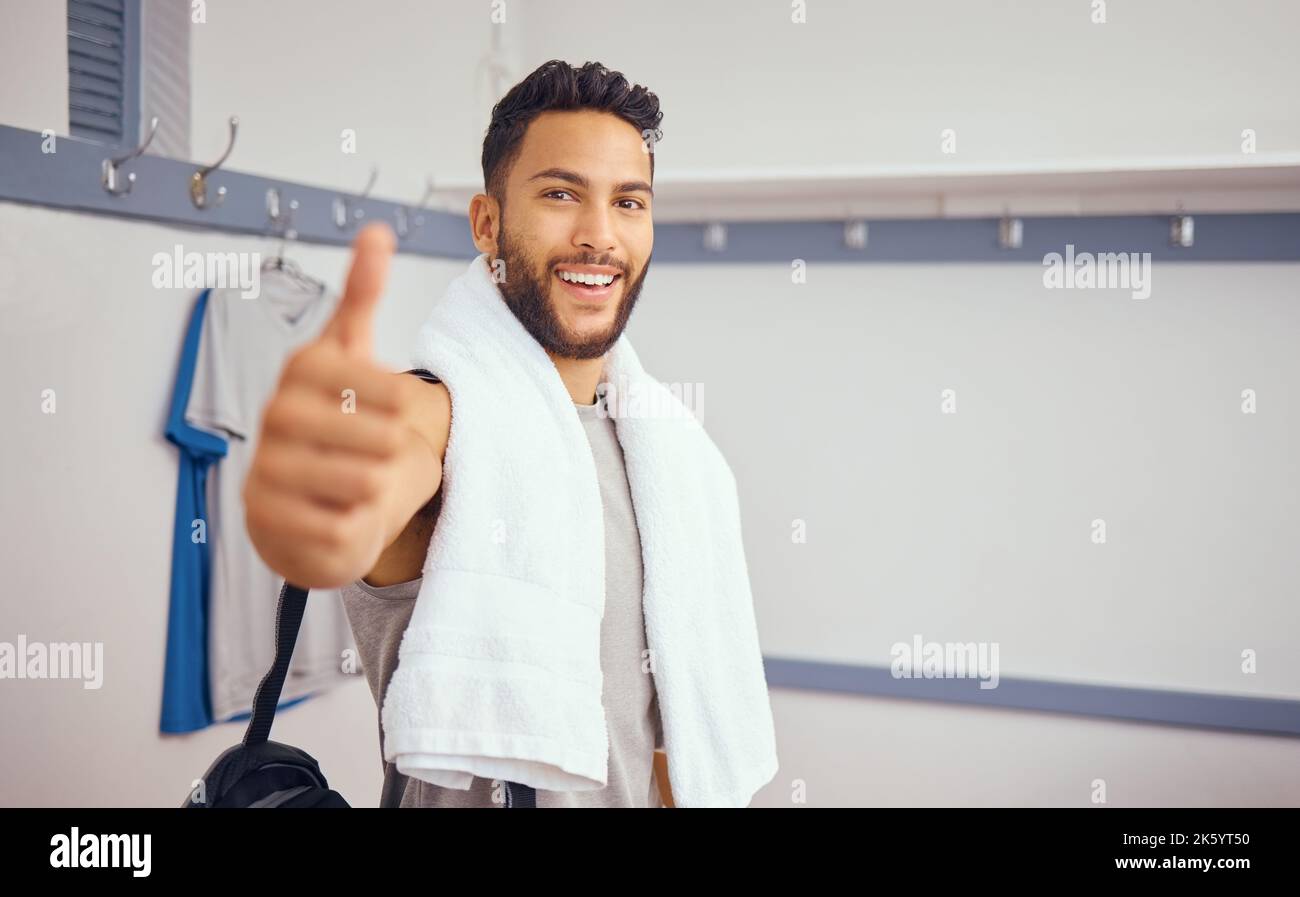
(553, 222)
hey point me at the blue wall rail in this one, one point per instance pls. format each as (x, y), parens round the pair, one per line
(70, 178)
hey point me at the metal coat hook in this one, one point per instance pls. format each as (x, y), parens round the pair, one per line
(1182, 229)
(855, 233)
(281, 220)
(344, 209)
(1011, 231)
(715, 237)
(199, 180)
(405, 222)
(281, 217)
(109, 177)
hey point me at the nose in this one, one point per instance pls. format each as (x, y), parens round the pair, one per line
(594, 232)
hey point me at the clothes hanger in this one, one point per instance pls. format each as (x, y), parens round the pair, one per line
(283, 221)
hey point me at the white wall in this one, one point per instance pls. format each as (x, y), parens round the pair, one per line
(1072, 405)
(35, 54)
(402, 75)
(874, 83)
(86, 498)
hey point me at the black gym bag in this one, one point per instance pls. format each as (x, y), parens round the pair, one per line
(263, 773)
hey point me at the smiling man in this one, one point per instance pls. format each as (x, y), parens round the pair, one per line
(566, 221)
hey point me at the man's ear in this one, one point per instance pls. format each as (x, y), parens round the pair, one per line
(485, 222)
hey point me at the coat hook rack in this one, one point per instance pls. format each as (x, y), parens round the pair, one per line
(88, 177)
(199, 180)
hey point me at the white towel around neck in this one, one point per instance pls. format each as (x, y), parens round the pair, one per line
(499, 673)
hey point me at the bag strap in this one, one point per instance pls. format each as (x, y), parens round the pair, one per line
(288, 619)
(427, 376)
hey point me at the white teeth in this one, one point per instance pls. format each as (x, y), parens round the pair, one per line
(590, 279)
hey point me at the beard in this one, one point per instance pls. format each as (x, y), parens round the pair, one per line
(527, 294)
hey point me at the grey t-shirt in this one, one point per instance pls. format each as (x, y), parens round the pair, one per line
(242, 349)
(379, 615)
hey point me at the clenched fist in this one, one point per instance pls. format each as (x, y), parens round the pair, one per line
(347, 450)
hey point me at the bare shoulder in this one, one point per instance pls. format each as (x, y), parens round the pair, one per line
(431, 411)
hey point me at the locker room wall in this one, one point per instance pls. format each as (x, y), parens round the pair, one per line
(87, 509)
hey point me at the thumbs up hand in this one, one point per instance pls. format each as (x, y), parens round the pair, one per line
(351, 328)
(344, 453)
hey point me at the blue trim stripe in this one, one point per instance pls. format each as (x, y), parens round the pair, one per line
(1273, 716)
(1256, 237)
(70, 179)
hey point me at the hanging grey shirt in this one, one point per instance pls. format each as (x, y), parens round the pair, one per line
(379, 614)
(243, 346)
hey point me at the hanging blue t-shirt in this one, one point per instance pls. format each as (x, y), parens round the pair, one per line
(187, 699)
(186, 703)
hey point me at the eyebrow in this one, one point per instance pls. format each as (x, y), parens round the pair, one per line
(572, 177)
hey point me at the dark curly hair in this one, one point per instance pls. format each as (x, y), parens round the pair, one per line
(558, 85)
